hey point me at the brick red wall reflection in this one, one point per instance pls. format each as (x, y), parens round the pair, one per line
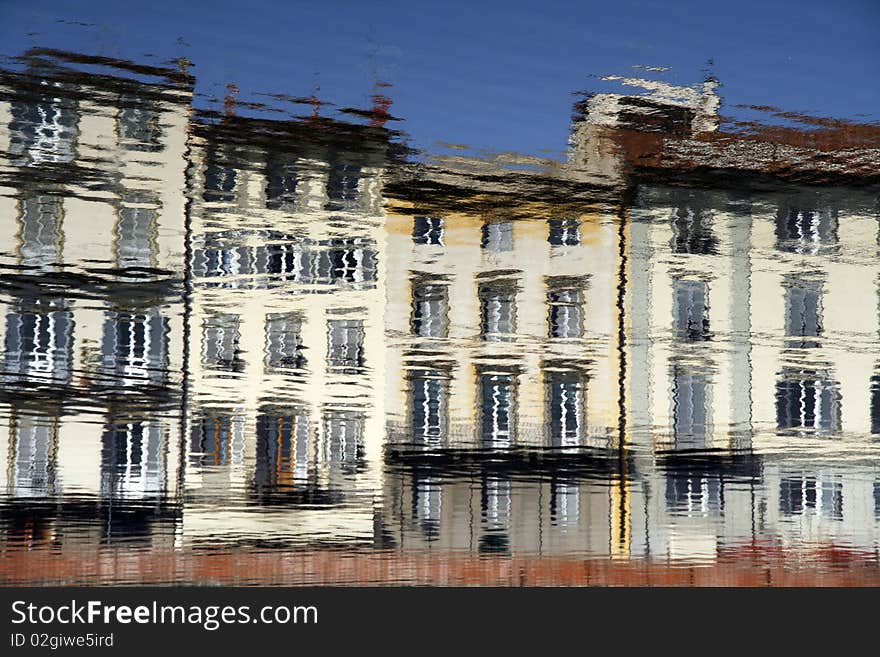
(745, 565)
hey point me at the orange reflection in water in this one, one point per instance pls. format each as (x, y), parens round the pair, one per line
(751, 565)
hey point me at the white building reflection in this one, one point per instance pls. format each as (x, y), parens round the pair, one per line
(92, 208)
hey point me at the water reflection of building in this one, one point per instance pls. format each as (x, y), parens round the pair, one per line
(748, 312)
(286, 326)
(729, 356)
(764, 333)
(92, 208)
(744, 337)
(683, 506)
(507, 309)
(688, 269)
(697, 361)
(611, 125)
(461, 502)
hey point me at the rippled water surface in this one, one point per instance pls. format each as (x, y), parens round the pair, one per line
(258, 349)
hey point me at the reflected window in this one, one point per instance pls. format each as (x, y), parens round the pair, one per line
(32, 462)
(343, 444)
(430, 309)
(565, 298)
(284, 345)
(495, 507)
(429, 406)
(220, 338)
(427, 505)
(807, 399)
(287, 260)
(428, 230)
(497, 236)
(690, 407)
(217, 439)
(39, 341)
(497, 309)
(281, 181)
(806, 231)
(564, 232)
(43, 130)
(282, 438)
(134, 347)
(803, 312)
(831, 500)
(132, 459)
(690, 309)
(565, 507)
(135, 235)
(351, 261)
(345, 345)
(221, 262)
(346, 260)
(497, 399)
(219, 183)
(566, 414)
(692, 232)
(342, 187)
(796, 495)
(694, 495)
(40, 235)
(138, 125)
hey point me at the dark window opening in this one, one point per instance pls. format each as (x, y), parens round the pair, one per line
(497, 309)
(806, 231)
(803, 312)
(690, 308)
(284, 346)
(807, 399)
(497, 399)
(564, 232)
(497, 236)
(342, 187)
(690, 408)
(692, 232)
(220, 338)
(345, 346)
(565, 299)
(566, 415)
(430, 309)
(428, 230)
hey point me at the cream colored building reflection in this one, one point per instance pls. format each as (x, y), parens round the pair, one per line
(96, 204)
(502, 326)
(752, 318)
(715, 350)
(751, 327)
(748, 388)
(492, 512)
(286, 334)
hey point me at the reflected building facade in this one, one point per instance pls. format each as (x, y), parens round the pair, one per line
(744, 322)
(285, 328)
(784, 317)
(222, 332)
(510, 313)
(762, 356)
(92, 209)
